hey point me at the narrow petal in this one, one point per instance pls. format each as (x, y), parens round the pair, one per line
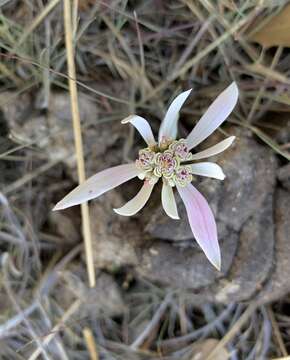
(98, 184)
(168, 201)
(202, 223)
(138, 202)
(168, 128)
(208, 169)
(142, 126)
(215, 115)
(214, 150)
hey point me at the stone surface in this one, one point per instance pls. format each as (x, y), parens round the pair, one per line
(108, 294)
(53, 131)
(253, 262)
(283, 175)
(115, 239)
(64, 225)
(278, 283)
(183, 267)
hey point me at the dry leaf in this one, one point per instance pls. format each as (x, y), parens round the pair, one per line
(275, 32)
(201, 350)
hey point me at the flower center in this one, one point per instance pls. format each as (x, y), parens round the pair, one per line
(166, 163)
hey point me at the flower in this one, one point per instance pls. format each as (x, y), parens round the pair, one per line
(172, 161)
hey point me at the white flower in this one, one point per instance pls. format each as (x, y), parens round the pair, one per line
(172, 161)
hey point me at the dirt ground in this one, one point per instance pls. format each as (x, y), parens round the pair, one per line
(156, 296)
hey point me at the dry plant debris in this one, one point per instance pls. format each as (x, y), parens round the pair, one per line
(135, 57)
(274, 31)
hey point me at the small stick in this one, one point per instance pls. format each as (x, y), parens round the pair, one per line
(38, 20)
(153, 323)
(91, 345)
(231, 333)
(277, 333)
(68, 313)
(78, 139)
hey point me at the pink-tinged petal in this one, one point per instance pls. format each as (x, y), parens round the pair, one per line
(214, 150)
(202, 223)
(168, 201)
(208, 169)
(215, 115)
(142, 126)
(168, 128)
(138, 202)
(98, 184)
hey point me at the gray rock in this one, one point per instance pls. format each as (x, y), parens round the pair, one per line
(108, 294)
(115, 239)
(278, 284)
(283, 175)
(183, 267)
(253, 262)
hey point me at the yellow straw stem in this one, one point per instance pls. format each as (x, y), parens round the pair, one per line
(91, 344)
(78, 138)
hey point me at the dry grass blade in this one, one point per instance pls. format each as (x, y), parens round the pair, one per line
(43, 67)
(29, 176)
(70, 311)
(262, 90)
(277, 332)
(91, 345)
(196, 59)
(78, 139)
(7, 72)
(231, 333)
(38, 20)
(268, 73)
(270, 142)
(153, 323)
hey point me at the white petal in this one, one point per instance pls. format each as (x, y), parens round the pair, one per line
(168, 201)
(215, 115)
(142, 126)
(214, 150)
(98, 184)
(202, 222)
(138, 202)
(168, 128)
(208, 169)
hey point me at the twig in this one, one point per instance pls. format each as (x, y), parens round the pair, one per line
(55, 72)
(47, 9)
(204, 331)
(277, 333)
(91, 345)
(78, 139)
(14, 301)
(232, 331)
(30, 176)
(57, 341)
(71, 310)
(153, 323)
(190, 63)
(16, 320)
